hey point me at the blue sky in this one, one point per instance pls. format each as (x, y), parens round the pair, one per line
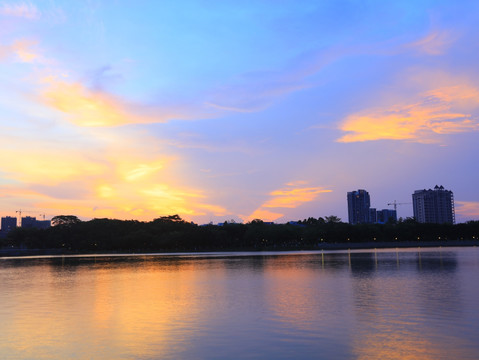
(220, 110)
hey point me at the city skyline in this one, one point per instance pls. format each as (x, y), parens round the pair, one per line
(439, 208)
(218, 110)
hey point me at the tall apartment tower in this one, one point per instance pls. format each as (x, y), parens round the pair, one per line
(434, 206)
(358, 207)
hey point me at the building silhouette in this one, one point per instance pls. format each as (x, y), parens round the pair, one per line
(32, 222)
(359, 205)
(361, 212)
(385, 215)
(434, 206)
(8, 223)
(28, 222)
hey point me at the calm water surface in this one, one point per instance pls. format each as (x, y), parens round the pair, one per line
(385, 304)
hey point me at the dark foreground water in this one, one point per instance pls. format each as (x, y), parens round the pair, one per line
(384, 304)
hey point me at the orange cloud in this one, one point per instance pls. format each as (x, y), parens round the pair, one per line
(290, 197)
(264, 215)
(93, 108)
(85, 107)
(436, 112)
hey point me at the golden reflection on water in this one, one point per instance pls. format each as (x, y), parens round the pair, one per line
(345, 305)
(151, 305)
(136, 309)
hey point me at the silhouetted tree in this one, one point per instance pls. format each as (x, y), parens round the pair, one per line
(332, 219)
(65, 220)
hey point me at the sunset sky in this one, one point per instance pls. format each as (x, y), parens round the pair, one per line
(219, 110)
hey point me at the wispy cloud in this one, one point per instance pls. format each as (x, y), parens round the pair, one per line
(254, 93)
(23, 49)
(143, 170)
(256, 90)
(436, 42)
(439, 111)
(21, 9)
(292, 196)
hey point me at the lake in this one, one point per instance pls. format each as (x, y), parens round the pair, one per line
(362, 304)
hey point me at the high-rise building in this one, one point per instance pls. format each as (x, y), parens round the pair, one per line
(8, 223)
(434, 206)
(358, 207)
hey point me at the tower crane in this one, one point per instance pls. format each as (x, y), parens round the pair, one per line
(395, 204)
(19, 212)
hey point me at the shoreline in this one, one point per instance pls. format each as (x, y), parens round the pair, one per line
(14, 252)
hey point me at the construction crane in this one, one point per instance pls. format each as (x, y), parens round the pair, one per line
(19, 212)
(395, 204)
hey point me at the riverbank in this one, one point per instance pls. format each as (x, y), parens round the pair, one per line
(14, 252)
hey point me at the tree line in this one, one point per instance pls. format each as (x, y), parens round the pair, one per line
(172, 233)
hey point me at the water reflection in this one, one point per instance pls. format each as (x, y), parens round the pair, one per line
(400, 301)
(345, 304)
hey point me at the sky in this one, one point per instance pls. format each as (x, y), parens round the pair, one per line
(235, 110)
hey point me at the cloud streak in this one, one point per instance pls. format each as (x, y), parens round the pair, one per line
(435, 43)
